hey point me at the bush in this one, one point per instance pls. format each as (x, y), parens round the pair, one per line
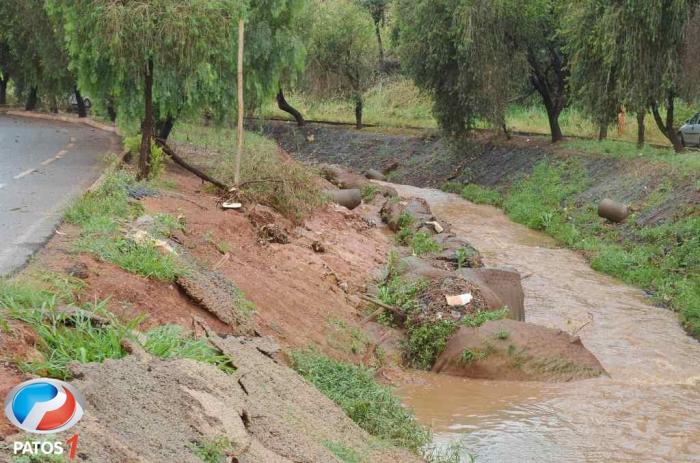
(372, 406)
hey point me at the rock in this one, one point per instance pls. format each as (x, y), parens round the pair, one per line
(78, 270)
(374, 174)
(348, 198)
(501, 287)
(273, 233)
(390, 166)
(317, 246)
(518, 351)
(613, 211)
(416, 208)
(457, 251)
(341, 177)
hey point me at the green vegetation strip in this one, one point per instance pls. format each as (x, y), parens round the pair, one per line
(663, 259)
(372, 406)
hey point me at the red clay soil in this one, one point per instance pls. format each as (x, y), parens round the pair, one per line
(302, 297)
(299, 294)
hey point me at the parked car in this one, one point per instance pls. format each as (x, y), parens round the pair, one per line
(690, 131)
(74, 102)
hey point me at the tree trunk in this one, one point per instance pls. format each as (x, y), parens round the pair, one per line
(54, 105)
(164, 127)
(603, 131)
(3, 90)
(555, 129)
(378, 33)
(666, 127)
(284, 106)
(640, 128)
(111, 112)
(358, 111)
(146, 124)
(32, 99)
(82, 112)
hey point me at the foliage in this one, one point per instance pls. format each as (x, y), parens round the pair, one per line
(480, 317)
(469, 356)
(480, 195)
(343, 53)
(170, 341)
(286, 186)
(100, 214)
(211, 450)
(82, 342)
(372, 406)
(426, 341)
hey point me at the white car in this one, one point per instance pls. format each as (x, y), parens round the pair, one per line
(690, 131)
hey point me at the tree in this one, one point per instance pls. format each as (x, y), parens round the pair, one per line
(475, 56)
(651, 45)
(590, 30)
(32, 53)
(155, 57)
(343, 52)
(377, 9)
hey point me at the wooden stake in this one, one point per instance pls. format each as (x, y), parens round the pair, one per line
(239, 152)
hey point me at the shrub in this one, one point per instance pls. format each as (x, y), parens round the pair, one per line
(426, 341)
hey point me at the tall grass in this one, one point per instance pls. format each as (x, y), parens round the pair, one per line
(372, 406)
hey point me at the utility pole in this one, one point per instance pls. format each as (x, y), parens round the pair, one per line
(239, 152)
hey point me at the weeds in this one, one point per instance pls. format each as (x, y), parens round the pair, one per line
(170, 341)
(480, 317)
(502, 335)
(286, 186)
(101, 213)
(211, 450)
(343, 453)
(480, 195)
(372, 406)
(422, 243)
(426, 341)
(469, 356)
(368, 192)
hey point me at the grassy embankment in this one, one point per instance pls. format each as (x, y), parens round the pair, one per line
(663, 259)
(396, 102)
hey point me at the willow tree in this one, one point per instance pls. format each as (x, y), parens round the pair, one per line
(377, 9)
(651, 48)
(343, 53)
(474, 56)
(591, 32)
(153, 56)
(32, 53)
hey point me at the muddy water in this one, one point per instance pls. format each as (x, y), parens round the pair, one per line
(648, 410)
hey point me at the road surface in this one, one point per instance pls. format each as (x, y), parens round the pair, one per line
(43, 166)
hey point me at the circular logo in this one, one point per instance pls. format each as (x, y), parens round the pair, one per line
(44, 406)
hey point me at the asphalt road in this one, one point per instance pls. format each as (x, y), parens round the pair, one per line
(44, 165)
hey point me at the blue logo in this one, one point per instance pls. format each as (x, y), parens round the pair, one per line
(44, 406)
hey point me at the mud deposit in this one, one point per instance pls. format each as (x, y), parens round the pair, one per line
(647, 410)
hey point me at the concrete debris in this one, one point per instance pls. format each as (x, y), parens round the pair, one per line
(350, 198)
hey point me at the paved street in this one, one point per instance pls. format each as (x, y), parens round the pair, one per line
(43, 166)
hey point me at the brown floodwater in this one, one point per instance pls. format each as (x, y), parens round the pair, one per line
(647, 410)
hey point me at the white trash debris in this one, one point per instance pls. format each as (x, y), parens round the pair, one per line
(460, 299)
(231, 205)
(438, 228)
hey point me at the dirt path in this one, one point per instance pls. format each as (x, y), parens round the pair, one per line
(649, 408)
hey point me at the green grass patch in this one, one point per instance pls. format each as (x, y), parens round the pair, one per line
(171, 341)
(426, 341)
(101, 214)
(481, 195)
(372, 406)
(343, 453)
(212, 450)
(469, 356)
(368, 192)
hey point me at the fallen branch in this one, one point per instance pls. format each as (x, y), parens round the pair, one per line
(398, 313)
(178, 160)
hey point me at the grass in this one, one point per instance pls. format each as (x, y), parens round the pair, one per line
(629, 150)
(286, 186)
(426, 341)
(368, 192)
(103, 212)
(211, 450)
(372, 406)
(33, 298)
(469, 356)
(480, 195)
(503, 335)
(171, 341)
(663, 259)
(343, 453)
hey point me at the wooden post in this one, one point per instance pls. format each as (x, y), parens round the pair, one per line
(239, 152)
